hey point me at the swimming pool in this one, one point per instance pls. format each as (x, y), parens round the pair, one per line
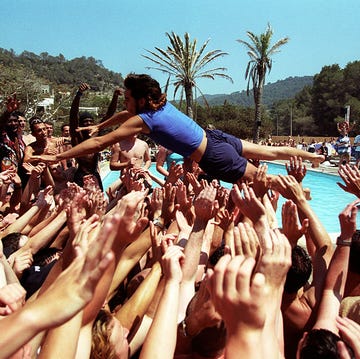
(328, 199)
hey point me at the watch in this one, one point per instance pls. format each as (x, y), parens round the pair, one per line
(343, 242)
(158, 223)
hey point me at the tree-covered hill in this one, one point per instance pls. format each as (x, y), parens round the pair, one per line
(56, 70)
(273, 92)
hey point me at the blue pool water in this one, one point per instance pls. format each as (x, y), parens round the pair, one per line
(328, 199)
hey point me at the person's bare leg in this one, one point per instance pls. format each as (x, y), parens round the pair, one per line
(271, 153)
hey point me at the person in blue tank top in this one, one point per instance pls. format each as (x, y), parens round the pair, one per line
(218, 154)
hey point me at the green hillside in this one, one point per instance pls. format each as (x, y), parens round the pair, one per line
(273, 92)
(54, 70)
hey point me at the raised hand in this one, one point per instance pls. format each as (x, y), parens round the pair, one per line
(290, 227)
(171, 261)
(156, 202)
(91, 183)
(169, 208)
(350, 333)
(224, 219)
(92, 130)
(76, 212)
(222, 196)
(184, 202)
(260, 181)
(84, 87)
(288, 187)
(97, 202)
(75, 286)
(247, 202)
(205, 204)
(196, 185)
(130, 225)
(238, 295)
(118, 91)
(351, 177)
(7, 176)
(12, 297)
(45, 197)
(12, 103)
(246, 242)
(36, 171)
(175, 172)
(274, 198)
(275, 260)
(184, 225)
(296, 168)
(347, 219)
(21, 260)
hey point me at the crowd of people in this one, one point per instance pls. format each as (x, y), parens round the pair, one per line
(338, 151)
(187, 269)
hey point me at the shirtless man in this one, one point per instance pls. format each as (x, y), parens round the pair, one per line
(65, 134)
(41, 145)
(130, 152)
(49, 129)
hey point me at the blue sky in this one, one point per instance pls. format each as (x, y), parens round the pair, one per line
(321, 32)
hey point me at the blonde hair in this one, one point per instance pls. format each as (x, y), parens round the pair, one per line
(101, 347)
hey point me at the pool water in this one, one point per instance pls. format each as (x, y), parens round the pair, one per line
(328, 199)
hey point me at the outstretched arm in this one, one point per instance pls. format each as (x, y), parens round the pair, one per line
(113, 104)
(131, 127)
(241, 299)
(71, 291)
(164, 325)
(336, 276)
(74, 114)
(205, 207)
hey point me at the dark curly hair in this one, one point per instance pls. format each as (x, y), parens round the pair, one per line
(144, 86)
(300, 270)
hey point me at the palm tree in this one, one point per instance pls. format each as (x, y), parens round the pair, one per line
(185, 64)
(260, 52)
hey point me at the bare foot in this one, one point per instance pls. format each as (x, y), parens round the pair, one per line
(316, 161)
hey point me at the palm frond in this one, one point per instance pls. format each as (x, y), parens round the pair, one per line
(184, 63)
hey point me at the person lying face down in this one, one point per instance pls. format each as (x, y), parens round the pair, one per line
(147, 111)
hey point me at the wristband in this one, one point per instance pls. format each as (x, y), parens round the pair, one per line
(342, 242)
(183, 328)
(158, 223)
(79, 93)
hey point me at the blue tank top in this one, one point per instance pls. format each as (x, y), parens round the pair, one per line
(172, 129)
(173, 157)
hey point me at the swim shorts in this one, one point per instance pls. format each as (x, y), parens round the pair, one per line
(223, 157)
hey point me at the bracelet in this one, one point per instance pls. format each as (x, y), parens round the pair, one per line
(342, 242)
(79, 93)
(183, 328)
